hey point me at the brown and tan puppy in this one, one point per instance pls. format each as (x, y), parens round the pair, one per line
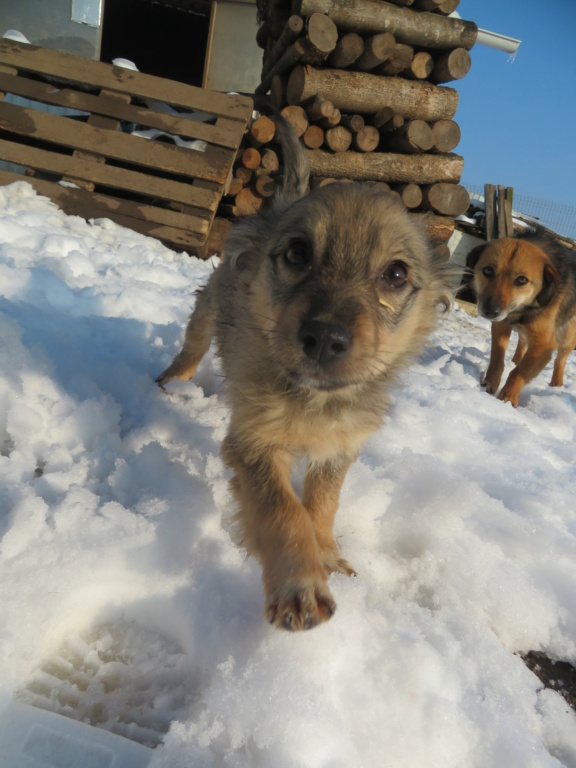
(318, 304)
(525, 284)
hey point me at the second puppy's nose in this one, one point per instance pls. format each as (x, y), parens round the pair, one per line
(324, 342)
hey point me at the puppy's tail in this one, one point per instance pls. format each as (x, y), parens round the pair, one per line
(296, 167)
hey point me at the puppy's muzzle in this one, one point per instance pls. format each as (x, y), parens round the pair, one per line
(324, 343)
(492, 310)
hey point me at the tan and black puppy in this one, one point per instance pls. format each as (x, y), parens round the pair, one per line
(525, 284)
(318, 304)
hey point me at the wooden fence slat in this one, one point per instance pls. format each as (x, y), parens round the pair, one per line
(212, 164)
(80, 202)
(107, 175)
(158, 188)
(223, 133)
(97, 74)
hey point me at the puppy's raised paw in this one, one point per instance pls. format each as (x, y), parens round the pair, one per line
(300, 606)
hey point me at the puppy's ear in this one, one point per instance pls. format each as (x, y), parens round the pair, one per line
(550, 280)
(473, 256)
(466, 290)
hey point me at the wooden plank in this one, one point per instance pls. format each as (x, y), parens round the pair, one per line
(31, 58)
(110, 176)
(489, 210)
(224, 133)
(212, 164)
(79, 202)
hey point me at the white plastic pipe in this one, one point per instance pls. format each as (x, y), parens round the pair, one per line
(494, 39)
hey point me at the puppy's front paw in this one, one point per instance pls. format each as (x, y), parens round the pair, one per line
(491, 387)
(509, 395)
(300, 606)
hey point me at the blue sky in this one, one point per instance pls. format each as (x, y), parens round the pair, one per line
(518, 119)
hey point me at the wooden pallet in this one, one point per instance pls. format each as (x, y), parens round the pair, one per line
(92, 167)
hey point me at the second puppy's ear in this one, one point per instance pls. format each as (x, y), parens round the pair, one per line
(474, 255)
(550, 280)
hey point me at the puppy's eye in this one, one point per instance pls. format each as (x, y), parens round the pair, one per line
(395, 275)
(521, 280)
(488, 271)
(297, 254)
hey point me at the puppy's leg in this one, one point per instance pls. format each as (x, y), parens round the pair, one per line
(536, 358)
(278, 530)
(566, 345)
(197, 339)
(500, 337)
(521, 348)
(321, 495)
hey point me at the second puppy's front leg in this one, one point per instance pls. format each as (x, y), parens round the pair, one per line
(500, 333)
(277, 529)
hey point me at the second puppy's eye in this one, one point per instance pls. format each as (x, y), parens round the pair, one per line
(297, 254)
(521, 280)
(395, 275)
(488, 271)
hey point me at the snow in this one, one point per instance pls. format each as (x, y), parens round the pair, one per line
(459, 517)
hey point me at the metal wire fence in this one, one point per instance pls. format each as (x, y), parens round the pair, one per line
(558, 217)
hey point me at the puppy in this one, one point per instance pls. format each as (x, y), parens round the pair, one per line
(525, 284)
(317, 306)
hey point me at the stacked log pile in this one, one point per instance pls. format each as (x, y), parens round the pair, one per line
(363, 83)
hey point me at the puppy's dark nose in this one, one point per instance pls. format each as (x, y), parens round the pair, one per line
(489, 310)
(324, 342)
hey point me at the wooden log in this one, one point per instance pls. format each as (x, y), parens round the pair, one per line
(396, 121)
(447, 7)
(382, 117)
(366, 139)
(313, 137)
(321, 37)
(251, 158)
(420, 67)
(368, 18)
(297, 118)
(243, 175)
(247, 202)
(269, 160)
(233, 186)
(427, 5)
(277, 93)
(377, 49)
(338, 139)
(386, 166)
(292, 29)
(263, 35)
(446, 135)
(319, 109)
(411, 194)
(332, 120)
(399, 60)
(438, 229)
(453, 65)
(366, 93)
(291, 56)
(413, 136)
(446, 199)
(265, 186)
(354, 123)
(261, 131)
(277, 14)
(347, 50)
